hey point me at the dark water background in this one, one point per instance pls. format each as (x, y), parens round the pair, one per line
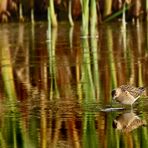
(55, 86)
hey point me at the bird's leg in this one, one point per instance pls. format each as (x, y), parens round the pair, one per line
(111, 103)
(111, 106)
(122, 106)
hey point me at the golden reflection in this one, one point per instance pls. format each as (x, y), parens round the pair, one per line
(128, 121)
(52, 77)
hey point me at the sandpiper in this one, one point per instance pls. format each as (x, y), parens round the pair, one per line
(127, 94)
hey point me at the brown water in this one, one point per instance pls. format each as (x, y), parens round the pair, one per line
(55, 86)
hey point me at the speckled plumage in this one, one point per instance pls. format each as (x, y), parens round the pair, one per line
(127, 94)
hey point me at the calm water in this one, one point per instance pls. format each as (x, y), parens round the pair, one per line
(55, 86)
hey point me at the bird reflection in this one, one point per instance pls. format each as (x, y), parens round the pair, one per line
(127, 122)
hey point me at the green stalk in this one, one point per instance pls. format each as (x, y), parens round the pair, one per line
(90, 138)
(32, 15)
(52, 35)
(32, 11)
(124, 27)
(111, 57)
(123, 16)
(88, 85)
(85, 16)
(93, 17)
(107, 8)
(53, 15)
(2, 140)
(93, 31)
(7, 74)
(114, 15)
(147, 9)
(70, 13)
(144, 137)
(95, 65)
(71, 37)
(21, 18)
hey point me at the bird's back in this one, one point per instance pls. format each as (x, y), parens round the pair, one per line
(134, 91)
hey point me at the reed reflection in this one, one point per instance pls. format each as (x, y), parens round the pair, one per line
(54, 78)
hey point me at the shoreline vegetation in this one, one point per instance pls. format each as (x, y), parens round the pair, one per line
(73, 10)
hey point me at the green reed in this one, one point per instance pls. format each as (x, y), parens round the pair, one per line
(85, 16)
(51, 43)
(110, 9)
(144, 136)
(113, 137)
(21, 17)
(147, 9)
(32, 16)
(87, 79)
(124, 17)
(118, 13)
(71, 37)
(95, 68)
(2, 140)
(87, 66)
(70, 13)
(107, 8)
(90, 138)
(7, 74)
(93, 17)
(11, 124)
(111, 57)
(54, 22)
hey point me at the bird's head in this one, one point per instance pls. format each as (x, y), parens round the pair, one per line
(116, 93)
(117, 125)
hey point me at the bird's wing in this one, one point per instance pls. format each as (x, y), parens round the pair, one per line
(134, 91)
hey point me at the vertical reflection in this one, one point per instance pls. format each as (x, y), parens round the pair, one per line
(88, 86)
(6, 67)
(51, 43)
(130, 61)
(140, 52)
(8, 80)
(95, 59)
(43, 120)
(78, 75)
(111, 57)
(136, 36)
(71, 37)
(90, 138)
(10, 127)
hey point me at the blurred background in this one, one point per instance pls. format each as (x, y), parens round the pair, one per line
(60, 60)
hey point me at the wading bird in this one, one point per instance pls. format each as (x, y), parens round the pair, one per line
(127, 94)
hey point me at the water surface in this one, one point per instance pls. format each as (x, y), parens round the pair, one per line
(55, 86)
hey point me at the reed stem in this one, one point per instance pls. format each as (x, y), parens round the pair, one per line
(93, 18)
(107, 8)
(85, 16)
(70, 13)
(147, 10)
(53, 15)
